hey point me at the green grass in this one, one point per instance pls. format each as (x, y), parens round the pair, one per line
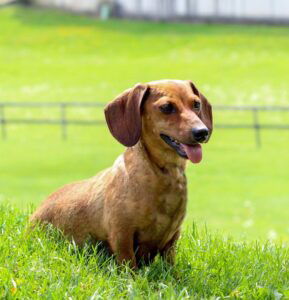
(53, 56)
(42, 265)
(237, 190)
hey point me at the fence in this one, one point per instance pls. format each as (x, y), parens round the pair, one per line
(256, 124)
(63, 121)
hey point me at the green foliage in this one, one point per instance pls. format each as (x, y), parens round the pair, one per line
(41, 264)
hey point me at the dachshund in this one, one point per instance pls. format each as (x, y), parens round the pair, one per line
(137, 206)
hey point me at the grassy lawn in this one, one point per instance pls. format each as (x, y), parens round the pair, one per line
(238, 191)
(53, 56)
(42, 265)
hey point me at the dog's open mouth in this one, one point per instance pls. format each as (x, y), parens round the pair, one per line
(192, 152)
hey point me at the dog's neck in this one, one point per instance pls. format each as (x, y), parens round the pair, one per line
(159, 156)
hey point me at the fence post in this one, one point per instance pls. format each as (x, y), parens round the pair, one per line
(188, 7)
(216, 8)
(2, 122)
(192, 7)
(63, 121)
(257, 127)
(139, 8)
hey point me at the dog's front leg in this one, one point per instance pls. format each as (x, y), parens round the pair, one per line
(169, 251)
(121, 244)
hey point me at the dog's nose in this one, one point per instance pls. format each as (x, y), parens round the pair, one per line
(200, 134)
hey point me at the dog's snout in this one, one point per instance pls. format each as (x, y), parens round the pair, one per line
(200, 134)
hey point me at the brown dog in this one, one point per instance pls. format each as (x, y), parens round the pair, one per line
(137, 206)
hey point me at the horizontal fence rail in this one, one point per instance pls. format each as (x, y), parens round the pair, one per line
(256, 125)
(63, 121)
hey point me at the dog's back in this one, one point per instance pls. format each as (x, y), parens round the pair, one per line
(70, 209)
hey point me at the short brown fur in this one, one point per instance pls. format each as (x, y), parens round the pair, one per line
(138, 205)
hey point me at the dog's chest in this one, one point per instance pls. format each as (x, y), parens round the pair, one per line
(167, 210)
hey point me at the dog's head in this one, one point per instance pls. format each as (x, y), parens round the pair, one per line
(172, 113)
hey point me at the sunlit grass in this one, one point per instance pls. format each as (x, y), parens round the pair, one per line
(41, 264)
(55, 56)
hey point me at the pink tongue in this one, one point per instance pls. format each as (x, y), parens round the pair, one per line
(194, 152)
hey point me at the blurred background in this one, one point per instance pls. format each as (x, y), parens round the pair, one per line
(62, 60)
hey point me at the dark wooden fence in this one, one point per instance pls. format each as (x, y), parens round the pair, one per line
(255, 124)
(63, 121)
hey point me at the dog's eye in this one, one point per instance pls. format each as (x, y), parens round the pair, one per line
(168, 108)
(197, 105)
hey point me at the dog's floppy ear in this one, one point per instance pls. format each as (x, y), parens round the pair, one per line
(123, 115)
(206, 111)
